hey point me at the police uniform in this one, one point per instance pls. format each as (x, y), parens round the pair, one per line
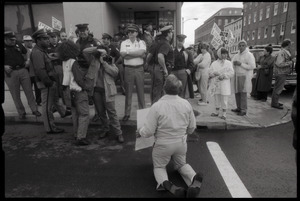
(18, 75)
(182, 61)
(47, 81)
(134, 71)
(158, 79)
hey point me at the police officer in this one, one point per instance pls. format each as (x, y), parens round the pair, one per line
(16, 74)
(85, 40)
(133, 51)
(122, 33)
(57, 64)
(114, 52)
(163, 62)
(47, 80)
(183, 65)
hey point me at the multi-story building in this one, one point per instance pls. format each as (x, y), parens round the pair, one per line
(269, 23)
(221, 18)
(236, 29)
(25, 17)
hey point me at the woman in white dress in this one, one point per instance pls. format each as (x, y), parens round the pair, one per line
(220, 73)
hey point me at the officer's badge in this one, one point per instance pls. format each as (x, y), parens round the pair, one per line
(92, 45)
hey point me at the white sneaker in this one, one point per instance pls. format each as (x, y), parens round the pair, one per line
(202, 103)
(198, 96)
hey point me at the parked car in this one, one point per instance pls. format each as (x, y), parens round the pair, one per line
(257, 51)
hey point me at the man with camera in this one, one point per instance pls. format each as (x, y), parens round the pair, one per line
(47, 80)
(105, 91)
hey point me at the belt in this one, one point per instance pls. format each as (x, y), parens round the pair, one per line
(128, 66)
(18, 67)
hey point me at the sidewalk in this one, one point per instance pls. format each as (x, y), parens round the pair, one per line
(259, 115)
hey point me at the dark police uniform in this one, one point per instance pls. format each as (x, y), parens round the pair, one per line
(13, 56)
(47, 81)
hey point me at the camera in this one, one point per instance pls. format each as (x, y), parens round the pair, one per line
(108, 59)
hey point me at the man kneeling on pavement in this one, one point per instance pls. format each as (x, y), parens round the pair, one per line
(170, 119)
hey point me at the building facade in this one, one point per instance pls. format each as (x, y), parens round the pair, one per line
(270, 23)
(103, 17)
(221, 18)
(236, 28)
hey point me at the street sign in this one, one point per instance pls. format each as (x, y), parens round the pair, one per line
(56, 24)
(41, 25)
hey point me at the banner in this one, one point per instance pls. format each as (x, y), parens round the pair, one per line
(216, 42)
(56, 24)
(41, 25)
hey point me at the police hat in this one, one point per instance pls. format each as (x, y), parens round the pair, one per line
(106, 35)
(27, 38)
(166, 28)
(181, 37)
(132, 27)
(41, 33)
(10, 34)
(52, 33)
(82, 26)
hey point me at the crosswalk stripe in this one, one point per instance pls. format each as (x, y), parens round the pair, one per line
(233, 182)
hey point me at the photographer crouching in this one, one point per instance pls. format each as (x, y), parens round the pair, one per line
(105, 91)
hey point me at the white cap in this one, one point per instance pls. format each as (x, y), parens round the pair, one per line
(27, 37)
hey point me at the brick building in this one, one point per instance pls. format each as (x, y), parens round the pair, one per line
(269, 23)
(221, 18)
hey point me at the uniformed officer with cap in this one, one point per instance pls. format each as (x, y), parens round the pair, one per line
(16, 74)
(133, 50)
(163, 62)
(183, 66)
(47, 80)
(28, 43)
(85, 40)
(122, 32)
(147, 35)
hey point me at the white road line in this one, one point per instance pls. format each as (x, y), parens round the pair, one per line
(232, 180)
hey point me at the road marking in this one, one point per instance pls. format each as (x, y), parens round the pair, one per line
(234, 184)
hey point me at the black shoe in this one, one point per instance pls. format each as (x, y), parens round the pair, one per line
(280, 104)
(68, 113)
(241, 113)
(82, 142)
(194, 189)
(126, 117)
(263, 100)
(95, 118)
(37, 113)
(120, 138)
(56, 131)
(278, 107)
(175, 190)
(235, 110)
(38, 104)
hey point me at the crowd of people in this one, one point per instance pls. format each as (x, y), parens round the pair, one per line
(71, 73)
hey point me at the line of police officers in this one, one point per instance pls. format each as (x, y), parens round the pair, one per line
(137, 53)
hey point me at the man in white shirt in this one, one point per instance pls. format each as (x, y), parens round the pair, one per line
(133, 51)
(170, 119)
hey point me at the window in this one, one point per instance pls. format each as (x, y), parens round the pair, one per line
(261, 14)
(254, 17)
(282, 29)
(245, 21)
(249, 19)
(235, 12)
(275, 8)
(273, 31)
(230, 11)
(266, 32)
(248, 35)
(226, 21)
(268, 12)
(256, 4)
(293, 27)
(16, 19)
(285, 6)
(253, 35)
(219, 22)
(258, 33)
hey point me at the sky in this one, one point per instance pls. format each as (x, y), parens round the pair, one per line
(202, 11)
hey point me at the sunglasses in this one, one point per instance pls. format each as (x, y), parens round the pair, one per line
(130, 32)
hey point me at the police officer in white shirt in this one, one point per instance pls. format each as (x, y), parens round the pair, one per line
(133, 51)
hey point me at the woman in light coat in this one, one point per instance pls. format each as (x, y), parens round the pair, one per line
(220, 73)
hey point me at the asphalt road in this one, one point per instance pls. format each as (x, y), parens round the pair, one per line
(40, 165)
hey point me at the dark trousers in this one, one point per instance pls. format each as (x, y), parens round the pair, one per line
(37, 91)
(241, 101)
(262, 95)
(278, 87)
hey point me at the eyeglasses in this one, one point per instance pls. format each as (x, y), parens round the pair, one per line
(130, 32)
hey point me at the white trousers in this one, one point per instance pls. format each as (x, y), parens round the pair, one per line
(221, 101)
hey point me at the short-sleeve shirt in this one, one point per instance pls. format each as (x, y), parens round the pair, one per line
(136, 45)
(166, 49)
